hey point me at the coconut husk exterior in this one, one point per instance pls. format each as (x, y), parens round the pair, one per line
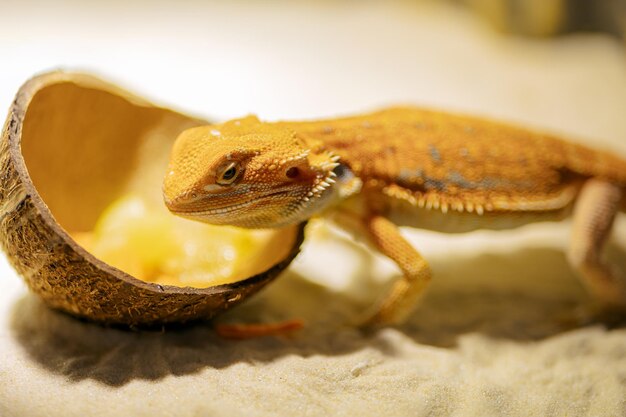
(82, 140)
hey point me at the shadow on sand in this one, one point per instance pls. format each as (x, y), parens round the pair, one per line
(526, 295)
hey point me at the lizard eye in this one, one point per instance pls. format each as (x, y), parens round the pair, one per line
(228, 174)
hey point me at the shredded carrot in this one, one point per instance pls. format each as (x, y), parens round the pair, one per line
(250, 331)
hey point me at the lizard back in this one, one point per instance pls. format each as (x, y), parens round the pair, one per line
(440, 160)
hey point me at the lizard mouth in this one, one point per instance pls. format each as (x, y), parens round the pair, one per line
(193, 212)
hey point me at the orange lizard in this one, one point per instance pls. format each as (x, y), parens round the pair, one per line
(402, 166)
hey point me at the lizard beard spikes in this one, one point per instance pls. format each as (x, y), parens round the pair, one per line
(319, 194)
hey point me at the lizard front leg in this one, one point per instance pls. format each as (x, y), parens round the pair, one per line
(404, 294)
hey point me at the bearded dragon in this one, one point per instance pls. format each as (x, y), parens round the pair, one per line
(396, 167)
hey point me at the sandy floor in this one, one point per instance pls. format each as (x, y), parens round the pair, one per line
(505, 328)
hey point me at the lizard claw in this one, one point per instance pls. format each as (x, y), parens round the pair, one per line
(373, 320)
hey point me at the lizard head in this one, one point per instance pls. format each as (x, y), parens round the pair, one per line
(247, 173)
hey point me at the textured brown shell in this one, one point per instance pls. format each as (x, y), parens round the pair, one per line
(106, 126)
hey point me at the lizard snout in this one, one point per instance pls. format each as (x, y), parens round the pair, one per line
(182, 202)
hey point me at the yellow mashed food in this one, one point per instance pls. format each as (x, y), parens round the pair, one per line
(151, 244)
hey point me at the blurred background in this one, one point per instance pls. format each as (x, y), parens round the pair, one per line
(553, 17)
(513, 59)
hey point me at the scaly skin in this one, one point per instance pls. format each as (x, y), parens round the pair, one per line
(401, 166)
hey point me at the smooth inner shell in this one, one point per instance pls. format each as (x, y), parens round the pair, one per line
(85, 148)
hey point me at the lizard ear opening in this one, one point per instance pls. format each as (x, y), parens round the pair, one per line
(292, 173)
